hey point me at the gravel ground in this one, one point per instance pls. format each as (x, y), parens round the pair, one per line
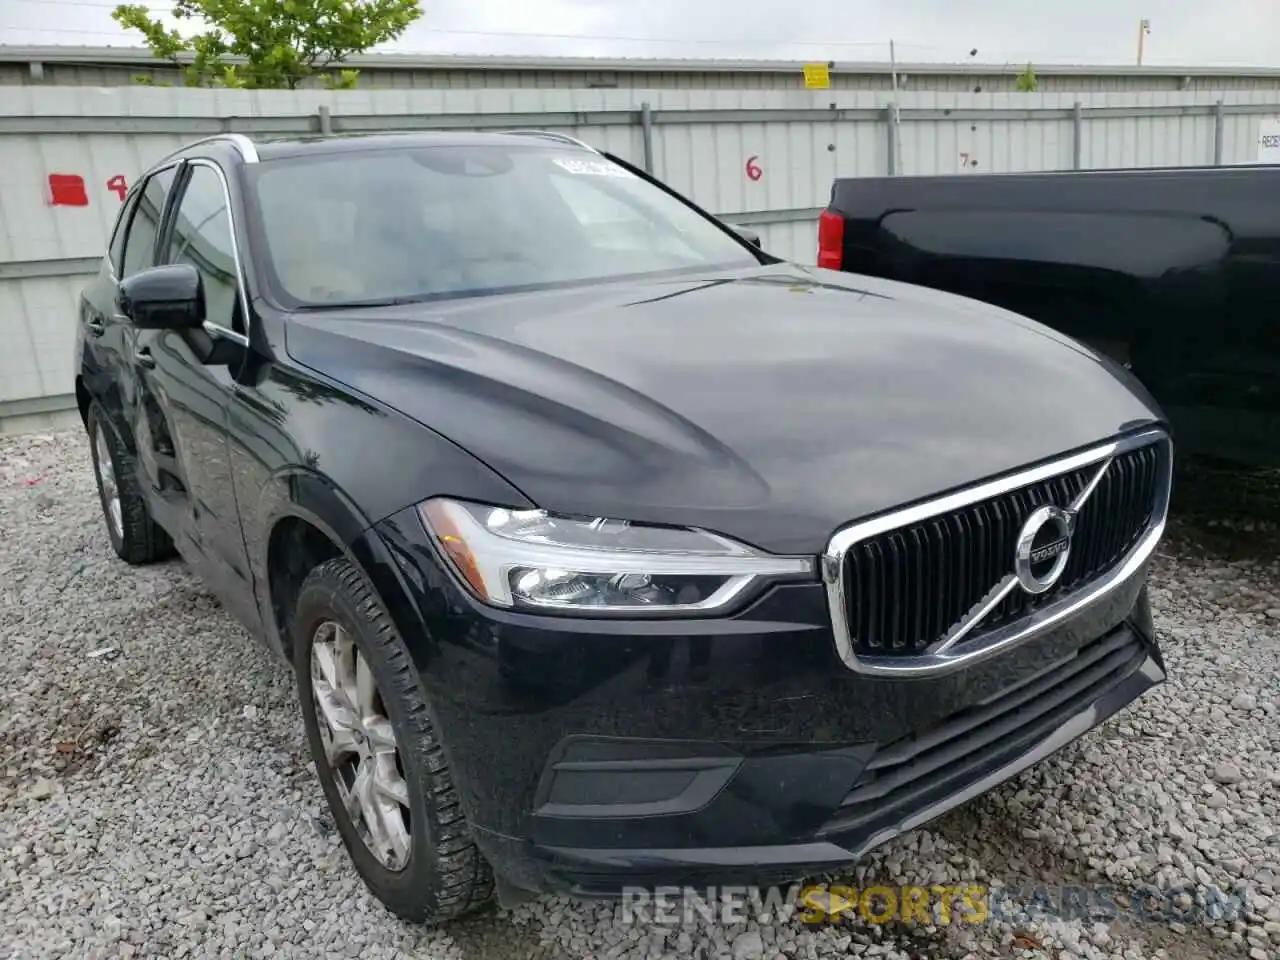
(156, 799)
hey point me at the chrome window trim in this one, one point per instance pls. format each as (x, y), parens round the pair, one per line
(942, 660)
(215, 329)
(220, 332)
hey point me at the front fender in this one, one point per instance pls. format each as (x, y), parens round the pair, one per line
(301, 494)
(310, 497)
(311, 450)
(297, 491)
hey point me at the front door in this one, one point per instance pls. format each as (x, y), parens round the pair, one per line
(187, 376)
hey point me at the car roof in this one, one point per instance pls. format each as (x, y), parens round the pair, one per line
(283, 147)
(267, 149)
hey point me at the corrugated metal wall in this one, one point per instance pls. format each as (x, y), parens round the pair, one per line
(701, 142)
(91, 74)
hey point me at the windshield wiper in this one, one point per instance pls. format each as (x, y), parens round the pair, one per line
(697, 285)
(358, 304)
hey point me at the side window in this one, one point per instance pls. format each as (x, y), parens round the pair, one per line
(202, 238)
(140, 239)
(116, 247)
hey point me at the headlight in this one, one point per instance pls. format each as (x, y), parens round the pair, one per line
(533, 559)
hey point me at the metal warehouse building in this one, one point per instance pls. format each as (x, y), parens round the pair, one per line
(745, 140)
(119, 66)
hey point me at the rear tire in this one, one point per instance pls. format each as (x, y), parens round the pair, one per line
(364, 709)
(135, 537)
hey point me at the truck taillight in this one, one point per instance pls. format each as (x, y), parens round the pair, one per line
(830, 240)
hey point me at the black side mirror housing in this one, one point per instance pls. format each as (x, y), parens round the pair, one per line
(747, 234)
(168, 297)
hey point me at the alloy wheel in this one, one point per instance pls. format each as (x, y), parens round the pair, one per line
(360, 745)
(107, 478)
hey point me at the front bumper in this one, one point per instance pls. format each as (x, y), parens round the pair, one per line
(914, 786)
(597, 754)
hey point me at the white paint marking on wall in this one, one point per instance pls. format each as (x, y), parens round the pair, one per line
(1269, 140)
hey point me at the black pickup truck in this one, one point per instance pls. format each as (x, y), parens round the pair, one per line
(1174, 272)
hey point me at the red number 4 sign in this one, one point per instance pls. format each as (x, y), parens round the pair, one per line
(67, 189)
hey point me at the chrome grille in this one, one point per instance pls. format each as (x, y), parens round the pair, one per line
(906, 589)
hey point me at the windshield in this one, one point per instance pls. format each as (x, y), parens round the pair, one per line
(405, 224)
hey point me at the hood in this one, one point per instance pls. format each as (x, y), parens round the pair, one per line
(772, 405)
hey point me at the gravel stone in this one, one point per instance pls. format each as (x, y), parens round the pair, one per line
(1227, 773)
(748, 946)
(159, 802)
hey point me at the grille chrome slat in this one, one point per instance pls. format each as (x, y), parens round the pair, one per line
(942, 559)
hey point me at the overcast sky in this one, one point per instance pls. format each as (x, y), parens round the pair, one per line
(1204, 32)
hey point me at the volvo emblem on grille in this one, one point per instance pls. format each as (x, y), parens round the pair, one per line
(1044, 544)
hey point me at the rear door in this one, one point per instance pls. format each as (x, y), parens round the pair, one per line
(187, 378)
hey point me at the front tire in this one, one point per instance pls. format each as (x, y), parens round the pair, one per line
(135, 537)
(378, 753)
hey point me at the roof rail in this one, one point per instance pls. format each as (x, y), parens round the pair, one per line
(244, 146)
(552, 135)
(248, 152)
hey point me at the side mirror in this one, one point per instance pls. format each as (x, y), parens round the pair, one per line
(169, 297)
(747, 234)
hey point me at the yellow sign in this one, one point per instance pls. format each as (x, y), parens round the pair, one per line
(817, 76)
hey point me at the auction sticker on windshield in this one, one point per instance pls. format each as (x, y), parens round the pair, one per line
(596, 168)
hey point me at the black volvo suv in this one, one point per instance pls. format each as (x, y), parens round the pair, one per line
(607, 548)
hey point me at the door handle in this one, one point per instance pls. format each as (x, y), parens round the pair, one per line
(144, 358)
(95, 325)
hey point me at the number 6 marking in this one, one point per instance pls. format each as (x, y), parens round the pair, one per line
(753, 169)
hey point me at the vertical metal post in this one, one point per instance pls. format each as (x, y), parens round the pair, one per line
(1219, 125)
(646, 131)
(1077, 135)
(892, 120)
(326, 121)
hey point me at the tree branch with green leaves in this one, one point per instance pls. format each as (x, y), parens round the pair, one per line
(1026, 81)
(264, 44)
